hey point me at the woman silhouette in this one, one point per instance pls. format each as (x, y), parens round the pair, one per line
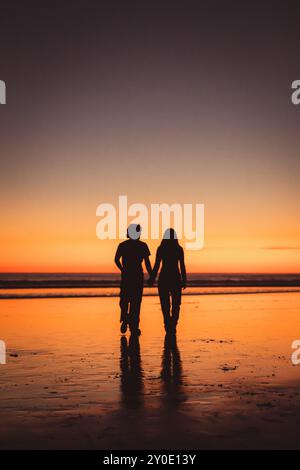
(172, 278)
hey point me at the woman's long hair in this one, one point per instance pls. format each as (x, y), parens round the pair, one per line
(169, 239)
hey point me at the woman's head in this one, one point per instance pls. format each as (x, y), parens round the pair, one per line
(169, 238)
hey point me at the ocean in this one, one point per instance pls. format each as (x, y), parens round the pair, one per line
(47, 285)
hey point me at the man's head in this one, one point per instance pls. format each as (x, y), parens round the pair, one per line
(134, 231)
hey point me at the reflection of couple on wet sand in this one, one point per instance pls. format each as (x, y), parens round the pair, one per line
(129, 258)
(132, 375)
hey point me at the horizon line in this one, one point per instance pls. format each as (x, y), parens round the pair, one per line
(190, 272)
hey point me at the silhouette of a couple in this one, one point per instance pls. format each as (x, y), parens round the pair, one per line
(129, 258)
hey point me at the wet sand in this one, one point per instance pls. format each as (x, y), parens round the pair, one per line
(72, 381)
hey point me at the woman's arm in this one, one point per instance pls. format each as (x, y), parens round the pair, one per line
(182, 268)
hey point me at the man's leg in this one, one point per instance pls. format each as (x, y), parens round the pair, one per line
(135, 308)
(124, 305)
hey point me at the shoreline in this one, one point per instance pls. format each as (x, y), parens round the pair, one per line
(148, 292)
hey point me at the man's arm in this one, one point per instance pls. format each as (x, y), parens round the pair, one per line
(118, 259)
(156, 267)
(148, 265)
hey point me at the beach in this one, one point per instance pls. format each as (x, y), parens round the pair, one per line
(227, 382)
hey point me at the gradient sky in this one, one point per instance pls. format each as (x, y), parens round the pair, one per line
(182, 103)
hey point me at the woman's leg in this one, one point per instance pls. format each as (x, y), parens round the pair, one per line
(176, 302)
(164, 296)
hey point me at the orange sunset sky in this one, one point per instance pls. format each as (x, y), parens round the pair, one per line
(162, 109)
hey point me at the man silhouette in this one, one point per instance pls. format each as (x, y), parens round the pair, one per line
(129, 257)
